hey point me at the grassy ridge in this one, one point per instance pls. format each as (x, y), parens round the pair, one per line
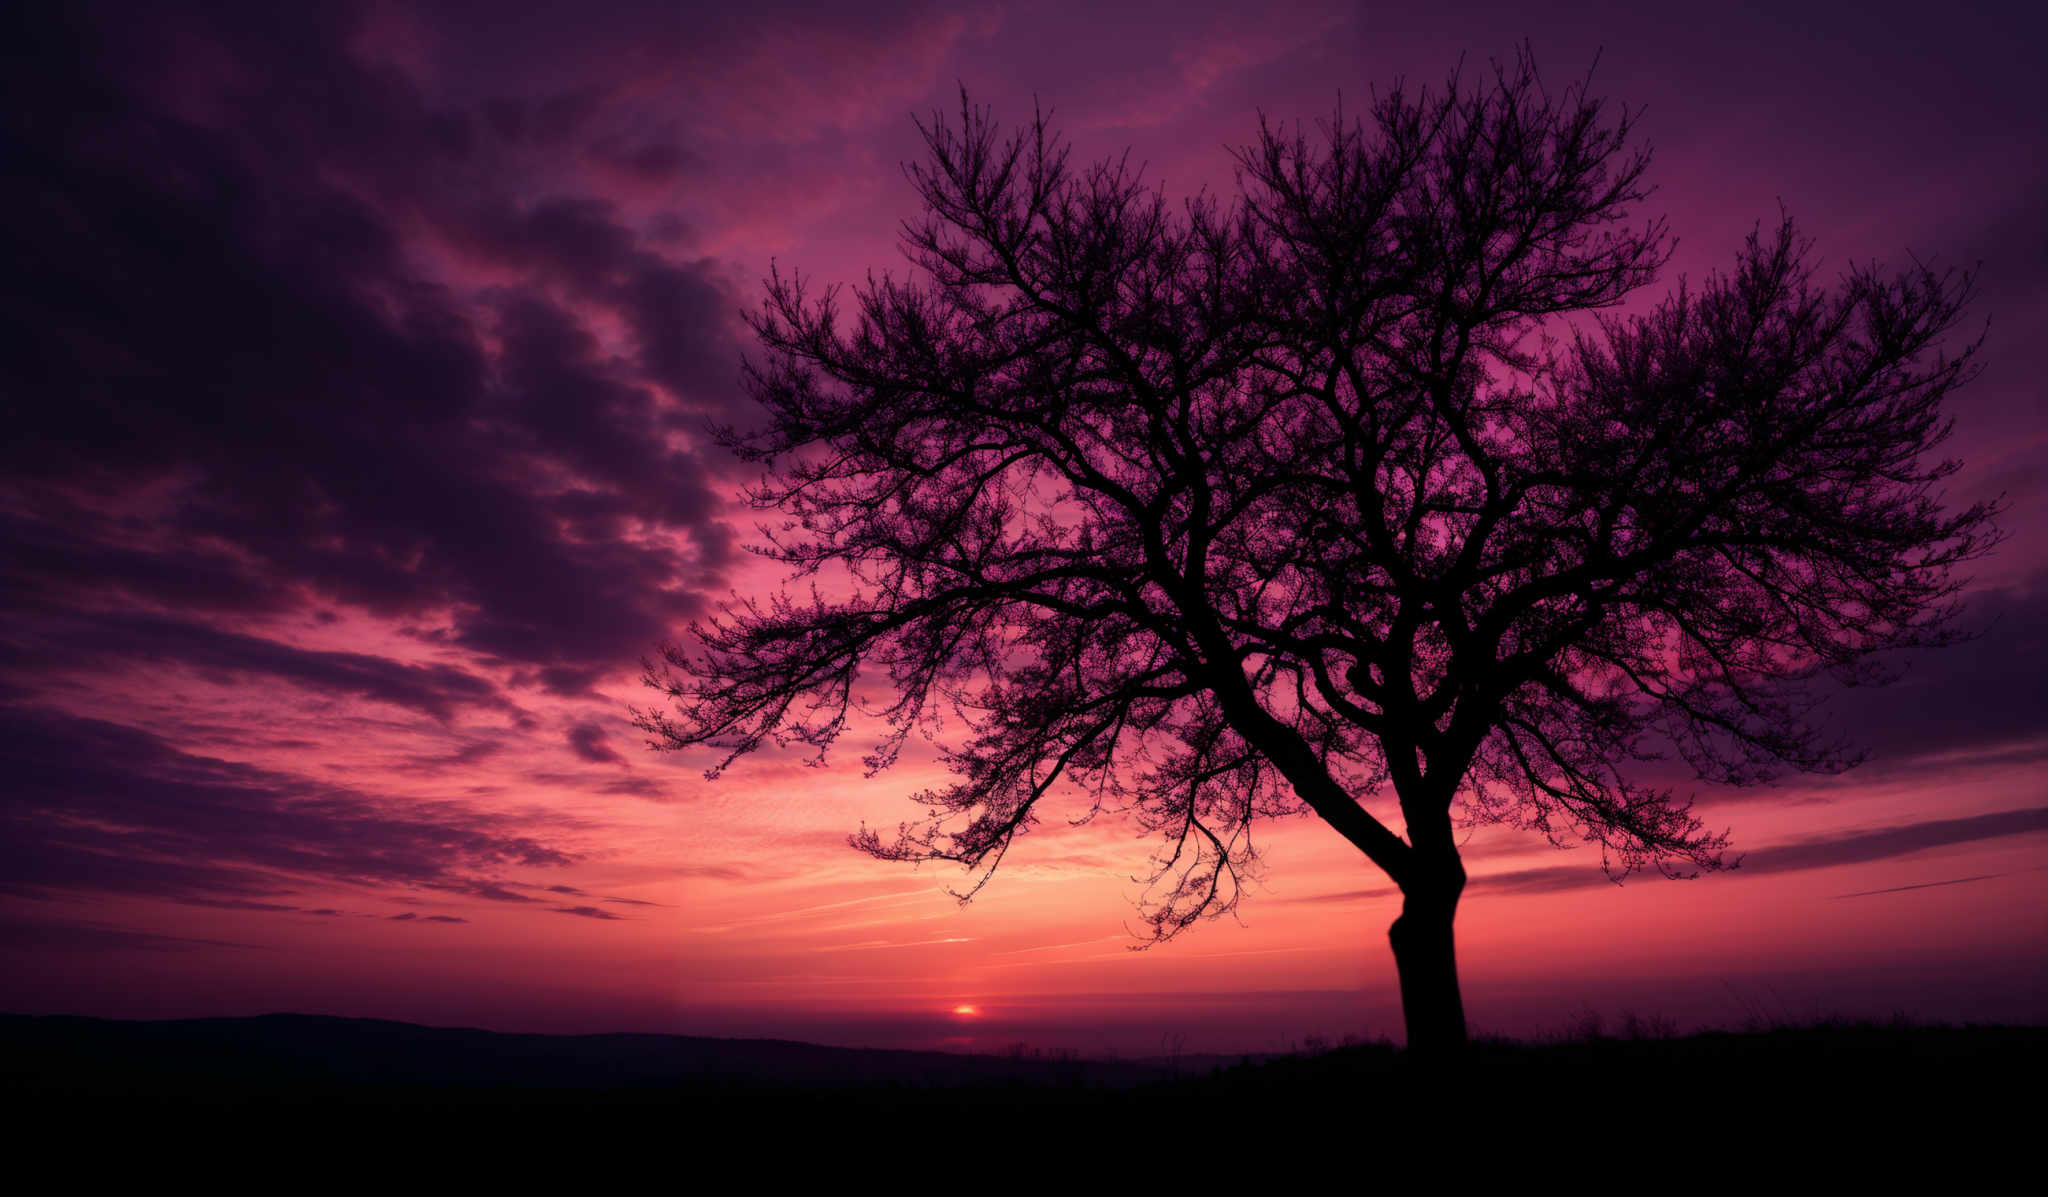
(281, 1064)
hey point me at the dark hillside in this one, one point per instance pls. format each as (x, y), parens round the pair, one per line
(1814, 1089)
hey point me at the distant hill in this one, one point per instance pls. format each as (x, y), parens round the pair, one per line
(295, 1101)
(1849, 1077)
(301, 1052)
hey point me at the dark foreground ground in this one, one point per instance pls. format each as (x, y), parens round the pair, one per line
(1827, 1093)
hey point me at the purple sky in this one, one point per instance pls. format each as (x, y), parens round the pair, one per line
(357, 359)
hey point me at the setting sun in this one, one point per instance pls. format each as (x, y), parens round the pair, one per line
(966, 1011)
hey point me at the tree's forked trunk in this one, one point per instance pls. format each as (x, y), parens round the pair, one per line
(1425, 955)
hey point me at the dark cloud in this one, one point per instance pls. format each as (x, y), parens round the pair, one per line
(660, 297)
(570, 890)
(214, 322)
(1936, 709)
(54, 640)
(96, 807)
(633, 902)
(490, 891)
(588, 741)
(1335, 897)
(41, 935)
(588, 912)
(473, 753)
(638, 787)
(61, 553)
(407, 916)
(442, 918)
(645, 162)
(1820, 852)
(1884, 843)
(284, 340)
(714, 872)
(1985, 691)
(546, 121)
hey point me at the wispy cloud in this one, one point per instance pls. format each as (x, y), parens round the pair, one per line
(91, 936)
(875, 944)
(588, 912)
(1900, 889)
(98, 807)
(1815, 853)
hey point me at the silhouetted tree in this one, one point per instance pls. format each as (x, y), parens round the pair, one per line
(1221, 511)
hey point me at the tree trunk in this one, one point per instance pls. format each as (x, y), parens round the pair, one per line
(1425, 955)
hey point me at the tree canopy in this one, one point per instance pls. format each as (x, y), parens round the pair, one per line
(1354, 483)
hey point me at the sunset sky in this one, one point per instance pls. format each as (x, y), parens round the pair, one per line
(356, 360)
